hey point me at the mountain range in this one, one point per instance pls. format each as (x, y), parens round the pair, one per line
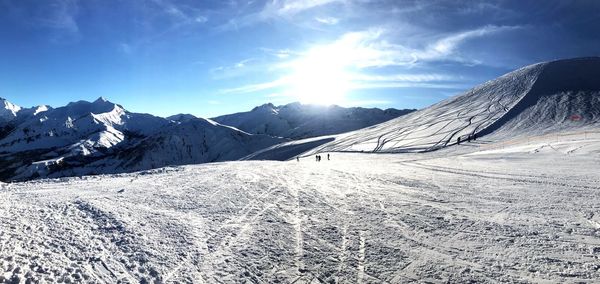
(297, 121)
(99, 137)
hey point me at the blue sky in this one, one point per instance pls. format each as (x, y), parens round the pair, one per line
(216, 57)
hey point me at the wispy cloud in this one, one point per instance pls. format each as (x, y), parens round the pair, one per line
(291, 7)
(229, 71)
(447, 45)
(404, 78)
(279, 53)
(173, 18)
(361, 81)
(251, 88)
(358, 56)
(60, 17)
(180, 14)
(371, 49)
(277, 9)
(327, 20)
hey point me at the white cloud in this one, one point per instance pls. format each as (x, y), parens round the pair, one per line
(448, 45)
(370, 49)
(181, 15)
(276, 9)
(291, 7)
(257, 87)
(356, 56)
(279, 53)
(327, 20)
(201, 19)
(403, 78)
(232, 70)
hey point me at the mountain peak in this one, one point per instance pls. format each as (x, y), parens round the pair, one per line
(267, 106)
(100, 100)
(8, 110)
(182, 117)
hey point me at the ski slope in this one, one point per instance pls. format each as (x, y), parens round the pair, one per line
(534, 100)
(498, 215)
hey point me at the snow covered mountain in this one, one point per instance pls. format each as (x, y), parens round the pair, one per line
(8, 111)
(541, 98)
(298, 121)
(102, 137)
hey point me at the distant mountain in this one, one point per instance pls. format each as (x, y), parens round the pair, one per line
(182, 117)
(102, 137)
(296, 121)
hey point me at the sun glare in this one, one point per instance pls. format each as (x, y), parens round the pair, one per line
(320, 77)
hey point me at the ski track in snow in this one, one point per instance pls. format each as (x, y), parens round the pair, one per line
(355, 219)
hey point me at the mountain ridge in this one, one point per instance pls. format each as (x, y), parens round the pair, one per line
(297, 121)
(98, 137)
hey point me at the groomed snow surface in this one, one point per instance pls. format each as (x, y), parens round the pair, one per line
(517, 213)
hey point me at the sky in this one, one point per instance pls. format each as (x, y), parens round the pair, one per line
(210, 58)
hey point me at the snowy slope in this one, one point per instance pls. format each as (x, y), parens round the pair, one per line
(359, 218)
(297, 121)
(536, 99)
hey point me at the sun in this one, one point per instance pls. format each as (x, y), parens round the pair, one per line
(320, 77)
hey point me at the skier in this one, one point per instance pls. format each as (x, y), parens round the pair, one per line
(469, 138)
(297, 159)
(327, 156)
(458, 141)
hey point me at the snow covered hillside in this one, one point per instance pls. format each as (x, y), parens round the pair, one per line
(297, 121)
(102, 137)
(537, 99)
(492, 216)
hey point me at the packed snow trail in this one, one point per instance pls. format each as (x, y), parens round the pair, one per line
(354, 219)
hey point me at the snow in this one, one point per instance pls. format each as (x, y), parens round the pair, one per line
(534, 100)
(8, 111)
(359, 218)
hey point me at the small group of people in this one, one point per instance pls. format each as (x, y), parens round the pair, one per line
(317, 158)
(469, 138)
